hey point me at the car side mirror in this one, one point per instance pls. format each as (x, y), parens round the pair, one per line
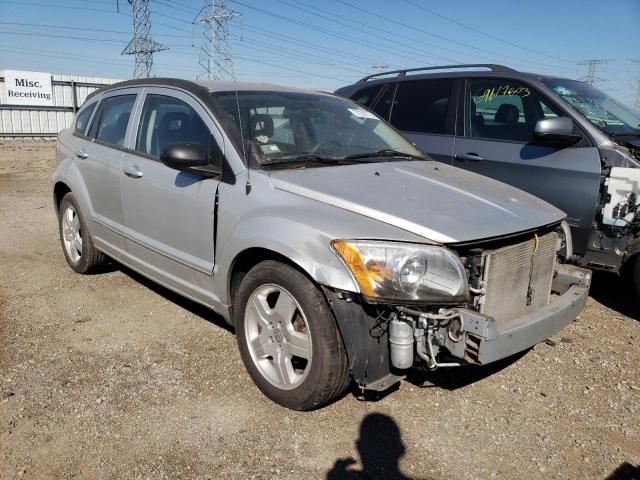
(190, 157)
(558, 130)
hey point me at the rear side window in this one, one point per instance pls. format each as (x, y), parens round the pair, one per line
(82, 119)
(422, 106)
(367, 95)
(111, 120)
(167, 120)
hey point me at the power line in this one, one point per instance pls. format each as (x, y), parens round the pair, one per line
(332, 17)
(441, 37)
(68, 37)
(315, 46)
(49, 5)
(507, 42)
(333, 33)
(173, 46)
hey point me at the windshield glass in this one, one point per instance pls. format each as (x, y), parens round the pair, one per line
(290, 127)
(601, 110)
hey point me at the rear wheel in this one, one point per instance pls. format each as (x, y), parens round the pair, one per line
(79, 250)
(288, 338)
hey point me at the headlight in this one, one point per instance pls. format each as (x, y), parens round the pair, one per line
(404, 272)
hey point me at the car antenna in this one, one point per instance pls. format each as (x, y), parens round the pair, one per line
(244, 152)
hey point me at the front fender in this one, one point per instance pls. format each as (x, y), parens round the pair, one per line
(300, 243)
(296, 227)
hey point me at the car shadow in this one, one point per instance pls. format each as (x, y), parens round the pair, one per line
(614, 292)
(380, 448)
(453, 378)
(625, 471)
(183, 302)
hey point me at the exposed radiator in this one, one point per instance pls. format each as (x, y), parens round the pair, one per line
(518, 277)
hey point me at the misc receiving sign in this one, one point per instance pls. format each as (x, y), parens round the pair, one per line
(27, 88)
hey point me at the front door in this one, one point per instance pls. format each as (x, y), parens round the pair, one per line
(169, 214)
(498, 141)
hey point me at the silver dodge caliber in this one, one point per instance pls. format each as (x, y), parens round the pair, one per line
(336, 250)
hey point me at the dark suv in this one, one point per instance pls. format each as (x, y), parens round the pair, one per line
(561, 140)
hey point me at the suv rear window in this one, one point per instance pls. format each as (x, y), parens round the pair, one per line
(110, 122)
(422, 105)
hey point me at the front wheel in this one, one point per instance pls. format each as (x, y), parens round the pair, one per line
(288, 338)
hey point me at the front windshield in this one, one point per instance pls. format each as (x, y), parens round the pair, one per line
(599, 108)
(291, 127)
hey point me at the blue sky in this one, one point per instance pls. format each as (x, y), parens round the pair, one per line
(332, 43)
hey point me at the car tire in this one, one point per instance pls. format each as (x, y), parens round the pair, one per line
(77, 245)
(288, 338)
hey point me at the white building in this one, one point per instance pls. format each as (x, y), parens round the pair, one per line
(37, 104)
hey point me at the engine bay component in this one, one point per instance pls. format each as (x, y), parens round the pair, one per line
(401, 343)
(623, 189)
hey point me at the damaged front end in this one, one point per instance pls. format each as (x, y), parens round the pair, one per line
(518, 296)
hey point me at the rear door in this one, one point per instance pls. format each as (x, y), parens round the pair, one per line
(169, 214)
(498, 121)
(424, 111)
(100, 164)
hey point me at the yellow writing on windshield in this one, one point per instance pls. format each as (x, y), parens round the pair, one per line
(490, 93)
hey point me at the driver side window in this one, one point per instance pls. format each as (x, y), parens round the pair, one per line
(503, 109)
(166, 120)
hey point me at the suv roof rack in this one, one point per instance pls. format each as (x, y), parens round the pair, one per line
(401, 73)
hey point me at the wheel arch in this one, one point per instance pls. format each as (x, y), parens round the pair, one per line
(249, 258)
(60, 189)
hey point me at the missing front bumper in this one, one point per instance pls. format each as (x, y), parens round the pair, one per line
(475, 338)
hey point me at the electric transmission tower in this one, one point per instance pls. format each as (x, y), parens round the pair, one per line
(380, 66)
(215, 61)
(636, 103)
(592, 66)
(142, 46)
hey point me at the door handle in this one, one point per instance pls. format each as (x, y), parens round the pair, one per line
(468, 157)
(133, 171)
(82, 154)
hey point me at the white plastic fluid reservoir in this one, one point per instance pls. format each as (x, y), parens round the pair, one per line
(623, 185)
(401, 340)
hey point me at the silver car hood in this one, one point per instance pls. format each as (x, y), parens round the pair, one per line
(443, 204)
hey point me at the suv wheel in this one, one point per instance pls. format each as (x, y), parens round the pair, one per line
(82, 256)
(288, 338)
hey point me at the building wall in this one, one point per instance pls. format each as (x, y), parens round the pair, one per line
(38, 121)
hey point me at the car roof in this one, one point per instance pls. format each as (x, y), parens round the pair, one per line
(450, 71)
(204, 86)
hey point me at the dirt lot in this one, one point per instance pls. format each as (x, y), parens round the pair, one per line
(110, 376)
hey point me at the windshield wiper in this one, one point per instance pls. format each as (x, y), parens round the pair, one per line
(305, 158)
(387, 152)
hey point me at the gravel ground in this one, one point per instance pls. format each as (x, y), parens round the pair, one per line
(111, 376)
